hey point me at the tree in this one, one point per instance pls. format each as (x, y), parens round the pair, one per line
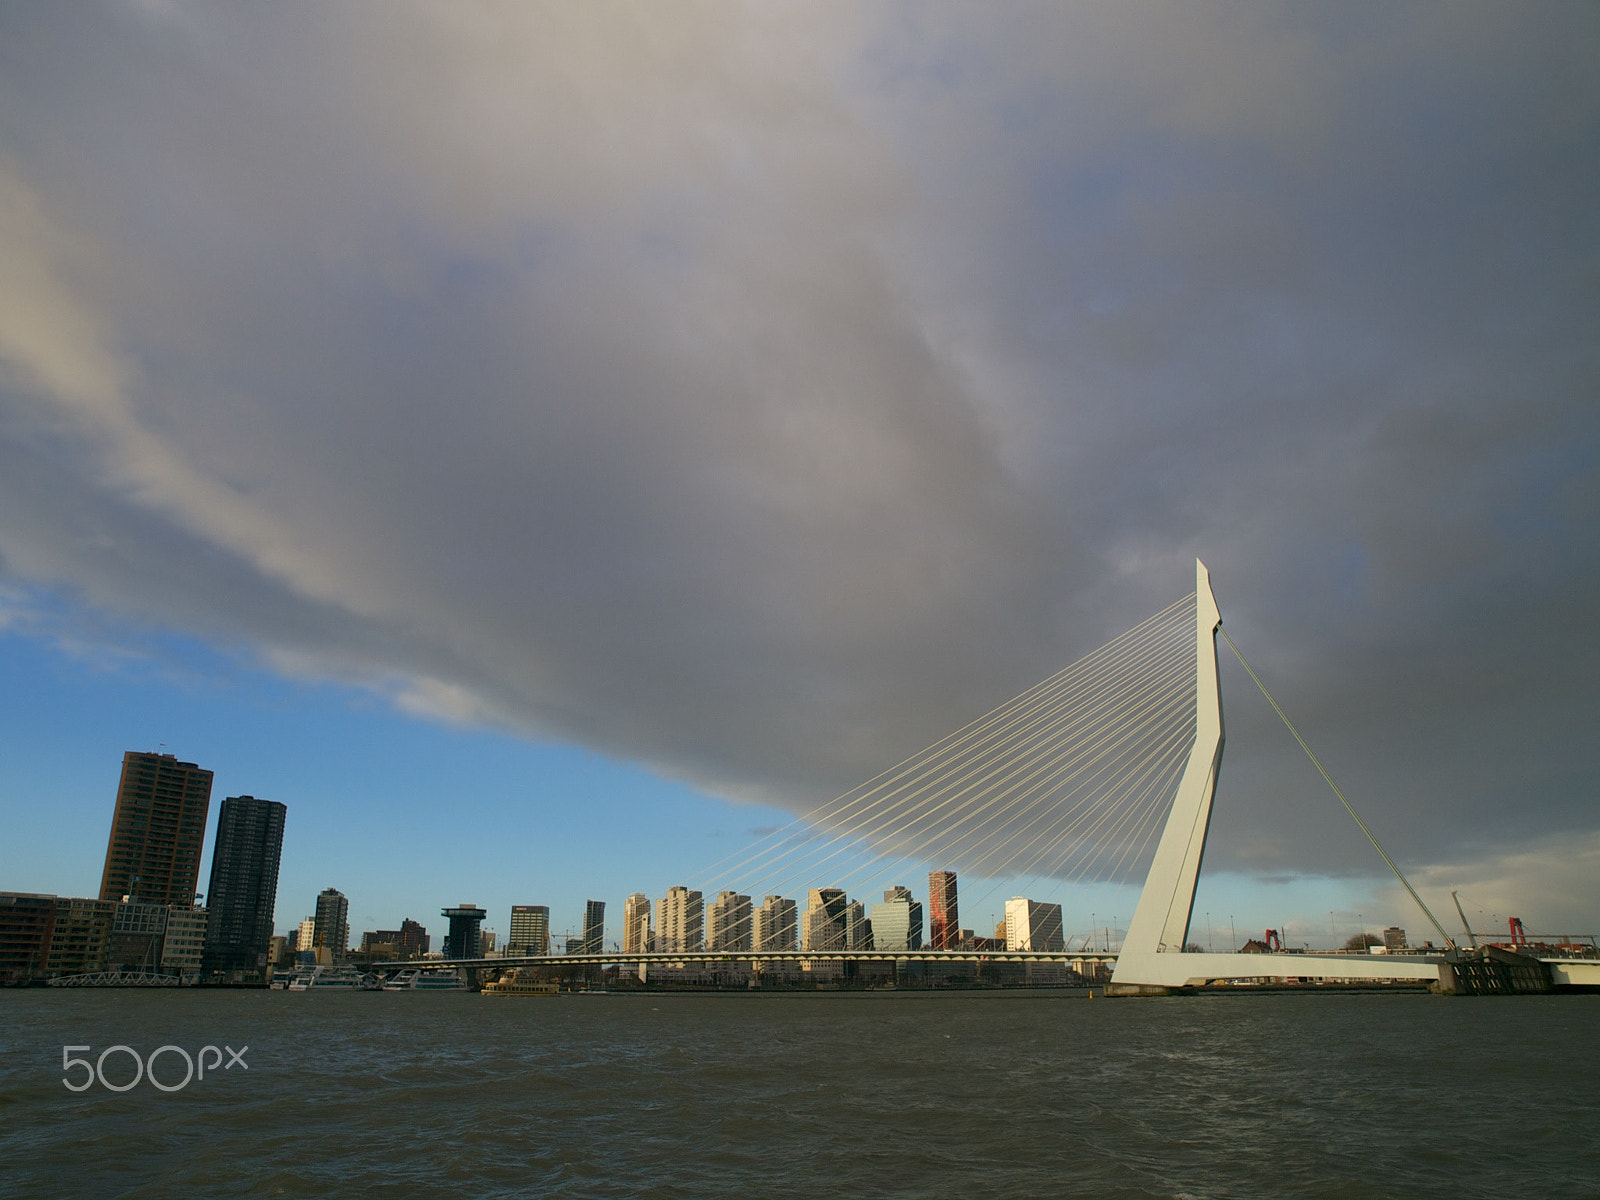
(1362, 941)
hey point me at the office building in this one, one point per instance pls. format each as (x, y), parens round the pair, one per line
(594, 926)
(530, 930)
(157, 830)
(636, 924)
(305, 938)
(944, 922)
(462, 940)
(1032, 925)
(1394, 939)
(409, 941)
(824, 924)
(728, 922)
(243, 892)
(680, 920)
(332, 929)
(413, 939)
(897, 922)
(857, 928)
(775, 925)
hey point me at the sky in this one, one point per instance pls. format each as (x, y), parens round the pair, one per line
(547, 446)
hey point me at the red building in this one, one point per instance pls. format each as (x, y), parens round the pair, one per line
(944, 922)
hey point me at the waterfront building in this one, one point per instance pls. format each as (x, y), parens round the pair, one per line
(305, 937)
(462, 940)
(636, 924)
(728, 922)
(1032, 925)
(26, 920)
(530, 930)
(594, 926)
(136, 934)
(243, 891)
(183, 947)
(278, 953)
(680, 920)
(897, 922)
(80, 936)
(157, 830)
(775, 925)
(332, 929)
(824, 925)
(944, 923)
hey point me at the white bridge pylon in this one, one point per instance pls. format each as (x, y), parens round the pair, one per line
(1153, 961)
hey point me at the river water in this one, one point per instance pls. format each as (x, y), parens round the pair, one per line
(861, 1095)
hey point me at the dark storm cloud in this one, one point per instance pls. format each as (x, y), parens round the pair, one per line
(760, 393)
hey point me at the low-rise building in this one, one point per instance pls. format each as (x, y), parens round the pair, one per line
(184, 943)
(26, 921)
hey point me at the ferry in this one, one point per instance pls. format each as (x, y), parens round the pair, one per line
(339, 978)
(436, 979)
(510, 985)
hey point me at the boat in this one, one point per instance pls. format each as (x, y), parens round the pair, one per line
(510, 985)
(436, 979)
(338, 978)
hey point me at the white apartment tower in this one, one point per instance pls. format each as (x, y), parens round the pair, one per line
(775, 925)
(728, 922)
(680, 920)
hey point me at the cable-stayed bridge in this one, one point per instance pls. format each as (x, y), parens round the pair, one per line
(1066, 784)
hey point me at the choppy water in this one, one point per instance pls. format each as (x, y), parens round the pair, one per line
(896, 1095)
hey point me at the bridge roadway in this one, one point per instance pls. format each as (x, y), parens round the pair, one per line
(680, 957)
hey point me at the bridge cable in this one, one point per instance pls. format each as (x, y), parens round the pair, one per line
(1400, 875)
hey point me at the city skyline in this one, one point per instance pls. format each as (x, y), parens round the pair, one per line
(1099, 926)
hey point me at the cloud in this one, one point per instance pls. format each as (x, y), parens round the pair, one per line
(758, 394)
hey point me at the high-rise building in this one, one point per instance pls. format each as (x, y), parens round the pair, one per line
(1033, 925)
(636, 924)
(333, 923)
(305, 937)
(157, 830)
(680, 920)
(824, 925)
(530, 930)
(594, 927)
(775, 925)
(244, 885)
(944, 922)
(728, 922)
(462, 940)
(413, 938)
(857, 928)
(897, 922)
